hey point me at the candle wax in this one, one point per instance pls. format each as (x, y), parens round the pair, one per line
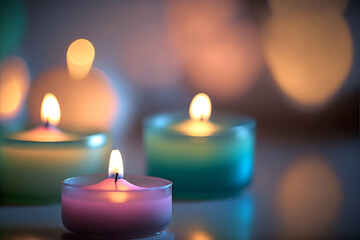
(115, 193)
(109, 184)
(43, 134)
(197, 127)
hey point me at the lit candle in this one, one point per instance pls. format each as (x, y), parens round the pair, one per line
(139, 207)
(34, 162)
(50, 116)
(204, 157)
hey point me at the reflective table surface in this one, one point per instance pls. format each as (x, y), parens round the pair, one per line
(302, 189)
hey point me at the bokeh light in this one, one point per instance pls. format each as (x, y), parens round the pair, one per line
(308, 5)
(89, 104)
(14, 86)
(80, 56)
(309, 49)
(145, 54)
(149, 63)
(309, 197)
(221, 52)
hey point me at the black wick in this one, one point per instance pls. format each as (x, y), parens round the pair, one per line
(116, 176)
(202, 118)
(47, 124)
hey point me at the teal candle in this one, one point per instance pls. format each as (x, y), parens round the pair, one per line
(31, 172)
(203, 157)
(33, 163)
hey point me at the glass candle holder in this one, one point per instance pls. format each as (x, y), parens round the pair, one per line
(31, 172)
(124, 213)
(211, 166)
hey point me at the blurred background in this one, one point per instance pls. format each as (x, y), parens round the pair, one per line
(291, 64)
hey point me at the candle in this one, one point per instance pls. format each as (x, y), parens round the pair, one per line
(198, 124)
(204, 157)
(34, 162)
(137, 207)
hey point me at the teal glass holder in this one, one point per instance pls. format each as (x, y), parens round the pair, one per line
(201, 167)
(31, 172)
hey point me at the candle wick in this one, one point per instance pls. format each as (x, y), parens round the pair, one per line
(116, 177)
(202, 118)
(47, 124)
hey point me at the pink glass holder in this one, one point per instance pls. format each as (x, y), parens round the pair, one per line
(131, 213)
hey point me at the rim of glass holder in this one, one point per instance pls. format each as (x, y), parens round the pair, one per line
(234, 122)
(91, 138)
(166, 183)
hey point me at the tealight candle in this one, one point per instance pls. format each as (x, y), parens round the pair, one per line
(34, 162)
(204, 158)
(137, 207)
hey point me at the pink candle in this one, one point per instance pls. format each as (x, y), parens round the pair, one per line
(138, 207)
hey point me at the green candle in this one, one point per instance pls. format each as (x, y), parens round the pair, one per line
(203, 158)
(33, 163)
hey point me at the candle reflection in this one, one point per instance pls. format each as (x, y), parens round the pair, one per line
(35, 233)
(309, 198)
(164, 235)
(32, 233)
(200, 235)
(208, 220)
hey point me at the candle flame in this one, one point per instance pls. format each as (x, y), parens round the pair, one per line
(116, 164)
(80, 56)
(50, 110)
(200, 107)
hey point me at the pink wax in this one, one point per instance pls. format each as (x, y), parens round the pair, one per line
(139, 207)
(110, 185)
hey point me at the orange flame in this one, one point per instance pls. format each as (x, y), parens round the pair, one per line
(50, 110)
(200, 107)
(116, 164)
